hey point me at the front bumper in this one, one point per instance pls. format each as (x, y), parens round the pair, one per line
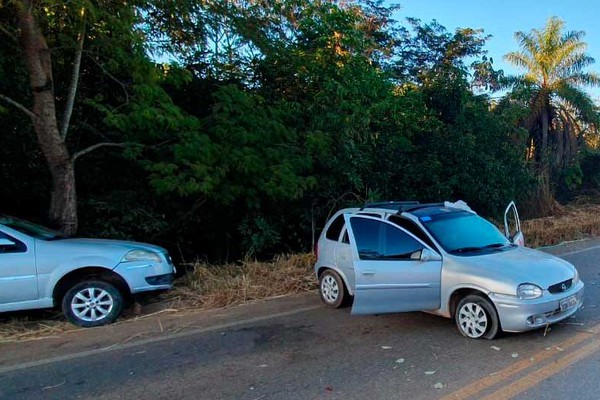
(523, 315)
(144, 276)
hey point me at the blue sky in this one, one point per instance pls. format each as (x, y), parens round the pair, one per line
(502, 18)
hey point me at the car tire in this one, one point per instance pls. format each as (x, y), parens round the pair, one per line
(476, 318)
(92, 303)
(332, 289)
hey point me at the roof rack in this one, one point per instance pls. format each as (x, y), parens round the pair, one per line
(391, 205)
(423, 205)
(401, 206)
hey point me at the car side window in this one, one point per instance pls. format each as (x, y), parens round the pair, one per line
(412, 228)
(17, 247)
(376, 240)
(335, 228)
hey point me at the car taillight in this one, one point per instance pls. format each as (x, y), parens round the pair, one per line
(316, 250)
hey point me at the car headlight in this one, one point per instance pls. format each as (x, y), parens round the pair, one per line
(529, 291)
(576, 277)
(141, 255)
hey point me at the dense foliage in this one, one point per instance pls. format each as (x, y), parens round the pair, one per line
(244, 124)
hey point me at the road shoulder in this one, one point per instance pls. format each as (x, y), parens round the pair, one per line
(150, 328)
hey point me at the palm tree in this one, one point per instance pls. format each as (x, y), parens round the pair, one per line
(554, 62)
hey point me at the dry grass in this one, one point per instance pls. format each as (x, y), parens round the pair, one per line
(574, 222)
(212, 286)
(32, 325)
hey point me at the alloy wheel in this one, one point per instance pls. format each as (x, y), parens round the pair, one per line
(472, 320)
(330, 289)
(92, 304)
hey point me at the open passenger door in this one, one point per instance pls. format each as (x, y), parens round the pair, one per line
(512, 225)
(394, 270)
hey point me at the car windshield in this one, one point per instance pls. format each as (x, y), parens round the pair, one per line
(29, 228)
(463, 232)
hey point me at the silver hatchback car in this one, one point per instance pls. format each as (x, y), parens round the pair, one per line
(444, 259)
(88, 278)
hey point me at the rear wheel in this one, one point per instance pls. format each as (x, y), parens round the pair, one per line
(92, 303)
(476, 318)
(332, 289)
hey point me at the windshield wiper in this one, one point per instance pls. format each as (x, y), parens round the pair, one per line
(465, 249)
(474, 248)
(494, 246)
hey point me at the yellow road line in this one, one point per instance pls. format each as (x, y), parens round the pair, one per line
(513, 369)
(535, 377)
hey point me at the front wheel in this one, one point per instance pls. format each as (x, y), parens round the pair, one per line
(92, 303)
(476, 318)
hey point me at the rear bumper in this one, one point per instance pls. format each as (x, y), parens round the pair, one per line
(523, 315)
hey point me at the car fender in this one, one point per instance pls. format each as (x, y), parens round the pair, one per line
(340, 273)
(445, 306)
(47, 281)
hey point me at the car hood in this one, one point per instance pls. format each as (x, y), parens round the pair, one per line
(123, 244)
(519, 265)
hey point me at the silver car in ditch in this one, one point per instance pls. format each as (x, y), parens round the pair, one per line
(444, 259)
(89, 279)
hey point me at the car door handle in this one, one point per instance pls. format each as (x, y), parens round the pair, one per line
(368, 272)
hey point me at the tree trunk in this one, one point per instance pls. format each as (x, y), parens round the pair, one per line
(573, 142)
(63, 207)
(560, 147)
(566, 138)
(542, 199)
(545, 128)
(63, 204)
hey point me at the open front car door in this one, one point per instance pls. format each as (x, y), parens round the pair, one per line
(394, 270)
(512, 225)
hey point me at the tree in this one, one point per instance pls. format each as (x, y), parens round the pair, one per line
(555, 63)
(83, 61)
(39, 25)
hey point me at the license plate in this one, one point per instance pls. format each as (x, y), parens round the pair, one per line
(567, 303)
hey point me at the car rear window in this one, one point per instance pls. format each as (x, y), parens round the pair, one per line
(335, 228)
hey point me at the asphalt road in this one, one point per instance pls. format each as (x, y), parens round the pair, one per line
(303, 351)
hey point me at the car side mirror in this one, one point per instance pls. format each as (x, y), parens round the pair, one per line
(428, 255)
(6, 242)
